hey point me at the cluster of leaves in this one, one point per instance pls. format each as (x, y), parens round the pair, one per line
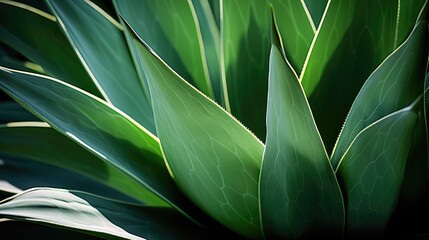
(144, 119)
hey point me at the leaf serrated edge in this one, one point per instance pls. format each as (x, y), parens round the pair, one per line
(405, 109)
(366, 82)
(188, 84)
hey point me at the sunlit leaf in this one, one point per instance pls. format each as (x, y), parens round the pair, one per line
(34, 143)
(102, 48)
(214, 159)
(97, 216)
(37, 36)
(296, 28)
(170, 28)
(211, 39)
(245, 47)
(98, 127)
(353, 39)
(392, 86)
(299, 194)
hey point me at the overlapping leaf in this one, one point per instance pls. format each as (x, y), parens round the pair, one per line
(100, 128)
(97, 216)
(392, 86)
(31, 142)
(11, 111)
(37, 36)
(316, 8)
(102, 48)
(19, 174)
(171, 28)
(245, 46)
(372, 169)
(354, 38)
(211, 39)
(297, 28)
(299, 194)
(214, 159)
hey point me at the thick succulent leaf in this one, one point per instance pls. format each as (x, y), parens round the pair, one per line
(11, 111)
(215, 7)
(353, 39)
(296, 28)
(245, 48)
(316, 8)
(18, 174)
(299, 193)
(99, 42)
(37, 36)
(392, 86)
(35, 143)
(372, 169)
(214, 159)
(98, 216)
(211, 40)
(416, 174)
(20, 64)
(170, 27)
(29, 230)
(100, 128)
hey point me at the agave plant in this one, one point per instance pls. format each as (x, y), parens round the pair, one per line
(213, 119)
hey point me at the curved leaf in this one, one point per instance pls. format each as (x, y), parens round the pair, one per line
(28, 230)
(211, 39)
(44, 144)
(37, 36)
(392, 86)
(354, 37)
(214, 159)
(296, 28)
(245, 47)
(11, 111)
(372, 169)
(299, 194)
(18, 174)
(96, 216)
(102, 48)
(316, 8)
(98, 127)
(171, 28)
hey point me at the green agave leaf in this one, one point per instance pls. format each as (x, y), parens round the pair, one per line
(100, 128)
(353, 39)
(392, 86)
(299, 194)
(316, 8)
(11, 111)
(37, 36)
(35, 143)
(101, 46)
(171, 28)
(296, 28)
(372, 170)
(211, 39)
(214, 159)
(18, 174)
(29, 230)
(215, 7)
(416, 174)
(245, 46)
(14, 63)
(98, 216)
